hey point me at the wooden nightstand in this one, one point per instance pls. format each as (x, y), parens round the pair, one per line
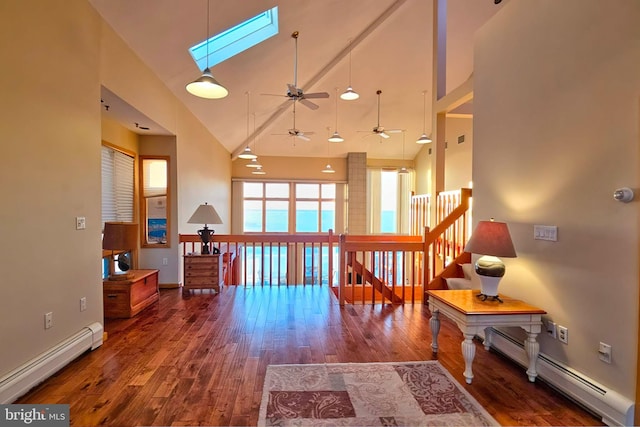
(126, 298)
(203, 272)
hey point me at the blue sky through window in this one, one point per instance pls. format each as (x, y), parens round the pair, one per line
(236, 39)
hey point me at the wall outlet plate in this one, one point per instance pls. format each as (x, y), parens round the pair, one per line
(563, 334)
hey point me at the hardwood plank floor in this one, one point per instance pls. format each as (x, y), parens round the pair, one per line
(200, 359)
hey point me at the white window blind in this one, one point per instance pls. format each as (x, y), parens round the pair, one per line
(117, 186)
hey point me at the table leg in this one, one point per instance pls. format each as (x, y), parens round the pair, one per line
(434, 322)
(468, 353)
(488, 335)
(532, 348)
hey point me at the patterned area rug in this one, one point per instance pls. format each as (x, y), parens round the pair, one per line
(367, 394)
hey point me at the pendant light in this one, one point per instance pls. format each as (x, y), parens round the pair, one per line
(254, 163)
(328, 168)
(403, 169)
(349, 94)
(424, 139)
(206, 86)
(246, 153)
(336, 136)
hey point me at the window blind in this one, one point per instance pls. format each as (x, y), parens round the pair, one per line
(117, 186)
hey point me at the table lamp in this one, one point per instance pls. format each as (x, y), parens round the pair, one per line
(490, 239)
(205, 214)
(120, 236)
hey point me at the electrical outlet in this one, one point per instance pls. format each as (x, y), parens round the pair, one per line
(563, 334)
(604, 352)
(83, 303)
(81, 223)
(165, 261)
(552, 329)
(48, 320)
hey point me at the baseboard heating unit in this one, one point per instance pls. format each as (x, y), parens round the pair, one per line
(32, 373)
(615, 409)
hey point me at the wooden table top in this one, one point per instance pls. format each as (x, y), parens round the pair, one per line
(467, 302)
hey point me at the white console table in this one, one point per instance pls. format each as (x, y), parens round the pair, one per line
(473, 315)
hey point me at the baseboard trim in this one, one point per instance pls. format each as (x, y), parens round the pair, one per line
(25, 377)
(615, 409)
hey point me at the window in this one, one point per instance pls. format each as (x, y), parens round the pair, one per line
(117, 185)
(315, 207)
(267, 207)
(388, 201)
(154, 201)
(117, 193)
(237, 39)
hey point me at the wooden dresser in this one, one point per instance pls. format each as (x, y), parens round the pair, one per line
(203, 272)
(126, 298)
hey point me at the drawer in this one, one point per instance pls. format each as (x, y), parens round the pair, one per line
(202, 259)
(200, 282)
(200, 273)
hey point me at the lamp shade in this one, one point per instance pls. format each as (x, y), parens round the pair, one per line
(205, 214)
(491, 238)
(120, 236)
(206, 86)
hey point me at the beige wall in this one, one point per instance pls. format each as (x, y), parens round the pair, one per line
(556, 97)
(50, 173)
(457, 158)
(303, 168)
(57, 54)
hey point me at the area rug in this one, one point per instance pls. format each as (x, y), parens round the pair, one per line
(367, 394)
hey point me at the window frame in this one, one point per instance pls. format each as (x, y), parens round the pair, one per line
(143, 203)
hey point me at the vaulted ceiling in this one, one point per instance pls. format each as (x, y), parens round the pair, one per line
(387, 45)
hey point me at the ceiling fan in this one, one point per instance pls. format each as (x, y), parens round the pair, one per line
(295, 132)
(380, 130)
(293, 91)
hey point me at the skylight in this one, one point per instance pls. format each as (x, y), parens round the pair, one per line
(236, 39)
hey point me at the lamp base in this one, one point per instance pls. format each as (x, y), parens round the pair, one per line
(490, 271)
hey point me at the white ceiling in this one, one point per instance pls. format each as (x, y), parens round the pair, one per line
(391, 51)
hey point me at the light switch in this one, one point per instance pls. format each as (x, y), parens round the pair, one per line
(81, 223)
(545, 232)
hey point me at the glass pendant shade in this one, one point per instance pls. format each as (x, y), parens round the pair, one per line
(328, 169)
(336, 137)
(254, 164)
(206, 86)
(259, 171)
(424, 139)
(247, 154)
(403, 170)
(349, 94)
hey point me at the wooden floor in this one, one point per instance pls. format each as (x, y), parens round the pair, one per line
(200, 359)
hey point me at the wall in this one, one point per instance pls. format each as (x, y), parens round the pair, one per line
(57, 54)
(168, 275)
(555, 132)
(458, 164)
(49, 174)
(302, 168)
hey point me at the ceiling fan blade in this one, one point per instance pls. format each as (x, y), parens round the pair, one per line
(393, 130)
(384, 135)
(303, 137)
(273, 94)
(316, 95)
(308, 104)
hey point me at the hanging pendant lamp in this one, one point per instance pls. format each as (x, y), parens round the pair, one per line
(336, 136)
(206, 86)
(424, 139)
(349, 94)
